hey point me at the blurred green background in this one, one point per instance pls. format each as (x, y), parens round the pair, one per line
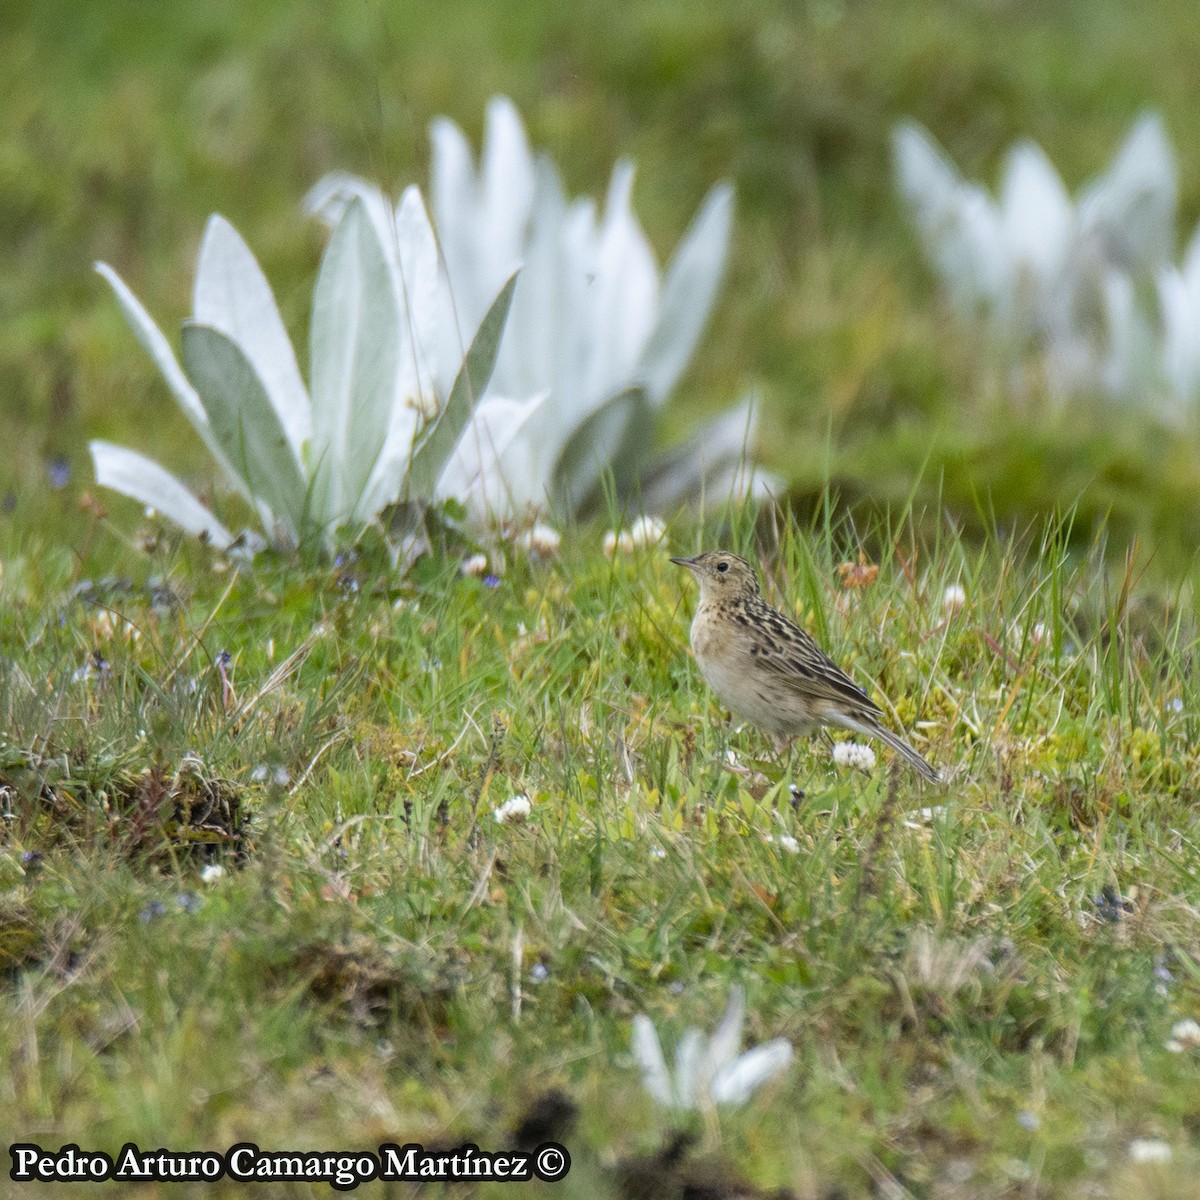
(126, 122)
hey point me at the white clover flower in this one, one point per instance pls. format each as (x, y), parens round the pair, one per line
(1149, 1150)
(954, 599)
(615, 543)
(543, 540)
(211, 872)
(475, 566)
(647, 531)
(924, 816)
(852, 754)
(513, 811)
(1185, 1035)
(784, 841)
(708, 1071)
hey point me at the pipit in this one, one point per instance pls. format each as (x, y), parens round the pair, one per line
(767, 669)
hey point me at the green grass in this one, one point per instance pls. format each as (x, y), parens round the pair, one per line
(979, 993)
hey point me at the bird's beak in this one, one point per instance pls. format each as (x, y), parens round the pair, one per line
(690, 563)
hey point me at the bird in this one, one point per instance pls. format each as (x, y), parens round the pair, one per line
(767, 669)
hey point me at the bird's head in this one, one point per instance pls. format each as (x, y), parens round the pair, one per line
(721, 575)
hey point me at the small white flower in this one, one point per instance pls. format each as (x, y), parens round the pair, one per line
(784, 841)
(513, 811)
(708, 1070)
(476, 565)
(1149, 1150)
(647, 531)
(657, 852)
(852, 754)
(212, 872)
(1039, 633)
(543, 540)
(1185, 1035)
(954, 598)
(615, 542)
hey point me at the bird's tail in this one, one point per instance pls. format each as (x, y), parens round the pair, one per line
(873, 728)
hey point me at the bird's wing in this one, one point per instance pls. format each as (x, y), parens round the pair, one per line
(786, 650)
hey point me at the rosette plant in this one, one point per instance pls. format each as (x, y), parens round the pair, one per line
(1049, 275)
(594, 328)
(381, 419)
(708, 1070)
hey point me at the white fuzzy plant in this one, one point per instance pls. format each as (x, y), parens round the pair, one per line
(594, 331)
(384, 419)
(1057, 277)
(708, 1070)
(1179, 303)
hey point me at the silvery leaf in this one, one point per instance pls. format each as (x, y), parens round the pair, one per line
(1128, 214)
(688, 293)
(232, 294)
(417, 256)
(477, 472)
(457, 213)
(151, 339)
(647, 1049)
(354, 348)
(244, 422)
(736, 1083)
(621, 297)
(1036, 213)
(928, 180)
(726, 1040)
(613, 438)
(436, 446)
(506, 177)
(715, 465)
(692, 1069)
(142, 479)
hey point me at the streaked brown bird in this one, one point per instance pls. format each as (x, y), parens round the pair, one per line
(767, 669)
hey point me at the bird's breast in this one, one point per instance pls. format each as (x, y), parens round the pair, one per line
(728, 653)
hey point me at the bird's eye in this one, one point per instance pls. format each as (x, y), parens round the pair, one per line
(722, 567)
